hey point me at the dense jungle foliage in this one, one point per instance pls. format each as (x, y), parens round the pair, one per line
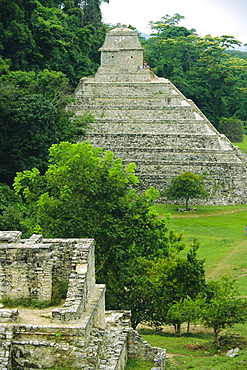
(64, 189)
(205, 70)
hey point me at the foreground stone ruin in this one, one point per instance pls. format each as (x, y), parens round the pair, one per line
(78, 335)
(146, 120)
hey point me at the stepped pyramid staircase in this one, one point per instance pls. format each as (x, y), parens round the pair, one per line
(146, 120)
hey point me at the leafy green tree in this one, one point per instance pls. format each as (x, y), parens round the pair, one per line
(170, 48)
(37, 35)
(224, 307)
(29, 124)
(215, 82)
(233, 128)
(11, 209)
(91, 13)
(28, 132)
(86, 192)
(32, 117)
(53, 86)
(201, 68)
(156, 284)
(186, 310)
(16, 40)
(7, 197)
(186, 186)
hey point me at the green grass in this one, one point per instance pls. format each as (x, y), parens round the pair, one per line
(196, 351)
(217, 362)
(223, 244)
(220, 232)
(24, 302)
(138, 364)
(243, 145)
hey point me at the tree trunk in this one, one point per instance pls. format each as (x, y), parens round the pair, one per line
(188, 327)
(216, 337)
(177, 330)
(186, 204)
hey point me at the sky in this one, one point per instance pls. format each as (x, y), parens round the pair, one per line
(215, 17)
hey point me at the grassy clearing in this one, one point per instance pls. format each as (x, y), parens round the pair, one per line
(223, 244)
(220, 231)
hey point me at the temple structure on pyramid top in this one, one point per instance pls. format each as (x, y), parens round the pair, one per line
(145, 119)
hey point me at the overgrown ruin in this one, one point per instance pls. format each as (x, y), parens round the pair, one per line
(146, 120)
(78, 335)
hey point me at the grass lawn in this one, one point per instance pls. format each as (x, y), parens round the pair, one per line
(223, 244)
(220, 231)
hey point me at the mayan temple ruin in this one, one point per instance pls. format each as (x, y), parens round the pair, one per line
(146, 120)
(80, 334)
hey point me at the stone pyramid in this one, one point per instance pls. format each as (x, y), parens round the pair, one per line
(145, 119)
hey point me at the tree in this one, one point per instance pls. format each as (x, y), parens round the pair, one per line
(170, 47)
(11, 209)
(86, 192)
(32, 117)
(156, 284)
(37, 35)
(224, 307)
(201, 68)
(29, 125)
(91, 13)
(186, 186)
(186, 310)
(233, 128)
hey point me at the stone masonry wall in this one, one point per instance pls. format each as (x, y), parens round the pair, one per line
(26, 271)
(139, 348)
(80, 334)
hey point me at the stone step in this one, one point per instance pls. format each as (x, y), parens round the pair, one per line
(167, 99)
(127, 144)
(162, 157)
(154, 128)
(142, 114)
(144, 121)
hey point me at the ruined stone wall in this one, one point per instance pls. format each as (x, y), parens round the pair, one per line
(79, 334)
(26, 271)
(139, 348)
(81, 282)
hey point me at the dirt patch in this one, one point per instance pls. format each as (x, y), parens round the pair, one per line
(35, 316)
(195, 347)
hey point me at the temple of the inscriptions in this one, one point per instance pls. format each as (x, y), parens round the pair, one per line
(145, 119)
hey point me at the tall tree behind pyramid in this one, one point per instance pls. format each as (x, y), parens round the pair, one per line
(145, 119)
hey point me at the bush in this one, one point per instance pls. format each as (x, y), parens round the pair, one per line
(233, 128)
(232, 340)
